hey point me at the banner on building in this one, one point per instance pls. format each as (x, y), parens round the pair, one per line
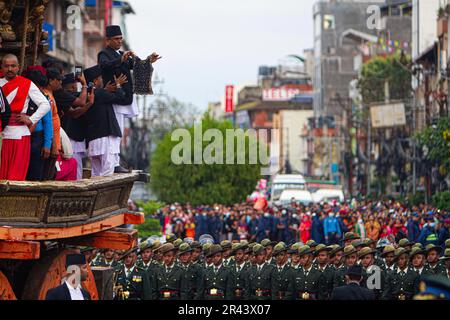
(389, 115)
(229, 101)
(280, 94)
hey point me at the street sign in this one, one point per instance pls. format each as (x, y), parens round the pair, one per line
(389, 115)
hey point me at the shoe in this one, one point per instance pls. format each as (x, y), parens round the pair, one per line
(120, 169)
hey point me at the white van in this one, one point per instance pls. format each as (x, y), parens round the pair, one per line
(328, 195)
(302, 196)
(282, 182)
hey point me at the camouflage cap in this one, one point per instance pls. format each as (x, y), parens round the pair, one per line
(365, 251)
(417, 245)
(244, 242)
(184, 248)
(304, 250)
(447, 243)
(156, 246)
(128, 252)
(321, 247)
(311, 243)
(145, 245)
(206, 246)
(167, 247)
(348, 250)
(431, 246)
(357, 243)
(351, 236)
(368, 241)
(235, 247)
(388, 249)
(258, 248)
(225, 244)
(279, 248)
(335, 248)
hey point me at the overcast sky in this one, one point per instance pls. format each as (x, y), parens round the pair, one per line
(207, 44)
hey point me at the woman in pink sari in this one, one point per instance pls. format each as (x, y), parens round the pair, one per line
(305, 229)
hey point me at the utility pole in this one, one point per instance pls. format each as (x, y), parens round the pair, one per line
(369, 154)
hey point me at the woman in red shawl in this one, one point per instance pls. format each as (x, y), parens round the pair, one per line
(305, 228)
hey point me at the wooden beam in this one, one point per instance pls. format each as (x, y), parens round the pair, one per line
(35, 234)
(134, 218)
(19, 250)
(117, 239)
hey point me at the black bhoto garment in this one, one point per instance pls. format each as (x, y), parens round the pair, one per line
(5, 110)
(101, 119)
(62, 293)
(75, 128)
(111, 64)
(352, 291)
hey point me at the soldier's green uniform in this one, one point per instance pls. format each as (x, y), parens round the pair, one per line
(367, 272)
(282, 277)
(327, 272)
(239, 274)
(261, 278)
(401, 284)
(438, 268)
(339, 275)
(134, 282)
(169, 284)
(216, 282)
(268, 243)
(308, 284)
(192, 274)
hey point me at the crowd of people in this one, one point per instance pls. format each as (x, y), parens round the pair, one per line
(323, 223)
(52, 121)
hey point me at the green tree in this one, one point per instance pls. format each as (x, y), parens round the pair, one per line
(203, 183)
(435, 143)
(378, 70)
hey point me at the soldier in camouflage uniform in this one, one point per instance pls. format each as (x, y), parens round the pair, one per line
(402, 283)
(261, 276)
(240, 271)
(282, 288)
(216, 282)
(132, 282)
(322, 255)
(168, 279)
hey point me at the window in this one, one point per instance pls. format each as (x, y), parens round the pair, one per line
(328, 22)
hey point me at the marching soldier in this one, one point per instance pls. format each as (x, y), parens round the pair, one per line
(251, 254)
(367, 258)
(335, 256)
(226, 247)
(445, 259)
(207, 259)
(417, 260)
(146, 256)
(282, 276)
(321, 253)
(388, 255)
(350, 256)
(294, 256)
(192, 272)
(216, 282)
(312, 244)
(132, 282)
(240, 271)
(309, 281)
(402, 283)
(168, 278)
(433, 266)
(261, 275)
(196, 252)
(268, 245)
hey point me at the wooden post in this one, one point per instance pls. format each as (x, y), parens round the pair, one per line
(37, 40)
(24, 35)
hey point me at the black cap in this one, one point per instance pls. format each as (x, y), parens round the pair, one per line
(92, 73)
(113, 31)
(69, 79)
(354, 271)
(75, 259)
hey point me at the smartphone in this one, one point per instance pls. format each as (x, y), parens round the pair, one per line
(78, 71)
(90, 87)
